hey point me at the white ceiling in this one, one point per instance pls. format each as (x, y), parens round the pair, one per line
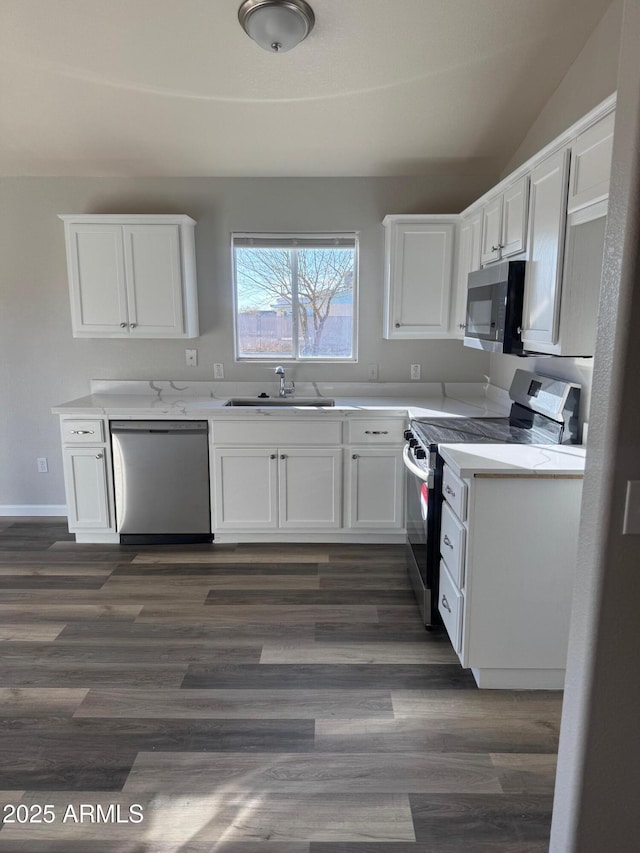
(380, 87)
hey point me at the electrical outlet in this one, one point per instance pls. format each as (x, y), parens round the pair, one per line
(191, 357)
(218, 371)
(43, 466)
(372, 371)
(415, 371)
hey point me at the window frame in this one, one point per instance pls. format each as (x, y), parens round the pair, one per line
(289, 239)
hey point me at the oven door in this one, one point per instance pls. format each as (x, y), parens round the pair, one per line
(423, 500)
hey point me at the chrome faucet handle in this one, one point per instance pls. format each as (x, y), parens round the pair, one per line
(279, 370)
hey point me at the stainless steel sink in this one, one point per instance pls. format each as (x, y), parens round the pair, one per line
(265, 402)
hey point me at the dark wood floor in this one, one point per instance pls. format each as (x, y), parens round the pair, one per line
(251, 699)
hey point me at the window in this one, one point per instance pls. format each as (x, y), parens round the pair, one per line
(295, 296)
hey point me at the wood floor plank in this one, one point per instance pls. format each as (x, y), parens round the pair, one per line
(188, 772)
(328, 676)
(16, 702)
(222, 818)
(363, 653)
(478, 704)
(79, 654)
(236, 704)
(27, 632)
(455, 819)
(102, 570)
(236, 570)
(282, 555)
(217, 598)
(526, 774)
(178, 583)
(29, 612)
(50, 674)
(240, 634)
(264, 614)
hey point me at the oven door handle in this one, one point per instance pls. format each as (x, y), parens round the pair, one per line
(427, 475)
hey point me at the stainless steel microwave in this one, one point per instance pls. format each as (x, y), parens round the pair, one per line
(495, 296)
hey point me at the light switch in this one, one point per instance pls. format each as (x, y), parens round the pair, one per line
(631, 524)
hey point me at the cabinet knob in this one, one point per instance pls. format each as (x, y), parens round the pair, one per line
(519, 330)
(354, 456)
(283, 456)
(445, 603)
(462, 325)
(447, 541)
(132, 325)
(450, 491)
(272, 456)
(398, 325)
(123, 325)
(99, 455)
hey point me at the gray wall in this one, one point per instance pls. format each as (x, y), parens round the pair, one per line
(42, 364)
(598, 780)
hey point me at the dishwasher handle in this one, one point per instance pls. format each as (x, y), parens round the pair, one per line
(175, 427)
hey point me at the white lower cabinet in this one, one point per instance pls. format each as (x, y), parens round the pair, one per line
(277, 488)
(506, 599)
(86, 485)
(376, 488)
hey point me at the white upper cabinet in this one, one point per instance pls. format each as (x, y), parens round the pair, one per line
(418, 276)
(547, 216)
(468, 260)
(132, 276)
(591, 165)
(504, 223)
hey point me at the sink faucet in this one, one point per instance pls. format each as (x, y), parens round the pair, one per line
(285, 390)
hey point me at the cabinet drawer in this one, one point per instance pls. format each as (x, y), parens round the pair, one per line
(378, 431)
(452, 538)
(82, 432)
(454, 492)
(265, 430)
(450, 607)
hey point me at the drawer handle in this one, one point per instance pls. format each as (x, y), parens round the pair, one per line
(376, 432)
(81, 432)
(447, 541)
(450, 491)
(99, 455)
(445, 603)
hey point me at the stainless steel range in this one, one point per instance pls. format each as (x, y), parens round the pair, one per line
(543, 411)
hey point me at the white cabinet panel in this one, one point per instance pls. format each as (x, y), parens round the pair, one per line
(468, 260)
(245, 489)
(418, 276)
(514, 218)
(491, 230)
(591, 165)
(85, 474)
(376, 488)
(310, 487)
(546, 241)
(154, 295)
(450, 607)
(96, 269)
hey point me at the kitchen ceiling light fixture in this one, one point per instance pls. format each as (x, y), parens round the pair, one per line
(276, 25)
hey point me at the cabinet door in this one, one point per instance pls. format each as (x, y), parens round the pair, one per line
(491, 231)
(591, 165)
(514, 218)
(244, 489)
(376, 488)
(97, 280)
(547, 215)
(85, 477)
(418, 280)
(310, 487)
(154, 280)
(469, 236)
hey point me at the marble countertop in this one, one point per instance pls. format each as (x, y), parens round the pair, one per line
(133, 399)
(508, 460)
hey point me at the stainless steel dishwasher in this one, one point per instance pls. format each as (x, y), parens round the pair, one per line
(161, 475)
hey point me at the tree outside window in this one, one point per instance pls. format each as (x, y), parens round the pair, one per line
(295, 296)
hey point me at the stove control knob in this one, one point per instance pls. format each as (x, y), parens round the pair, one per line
(420, 453)
(413, 442)
(407, 434)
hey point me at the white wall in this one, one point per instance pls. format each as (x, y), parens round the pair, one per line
(42, 365)
(591, 78)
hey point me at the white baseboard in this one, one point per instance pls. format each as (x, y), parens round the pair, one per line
(25, 510)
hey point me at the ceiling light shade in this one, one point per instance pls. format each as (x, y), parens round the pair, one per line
(276, 25)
